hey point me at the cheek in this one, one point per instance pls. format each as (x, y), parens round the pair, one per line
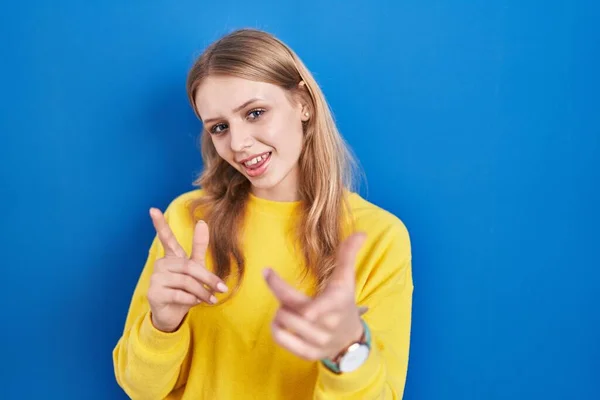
(221, 145)
(294, 139)
(282, 135)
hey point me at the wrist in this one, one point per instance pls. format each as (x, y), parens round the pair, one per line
(359, 331)
(357, 334)
(163, 328)
(152, 339)
(352, 356)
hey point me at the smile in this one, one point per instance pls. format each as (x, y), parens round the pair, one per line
(258, 165)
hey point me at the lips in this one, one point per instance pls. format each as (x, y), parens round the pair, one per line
(255, 161)
(257, 165)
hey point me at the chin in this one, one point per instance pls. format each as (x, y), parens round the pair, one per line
(270, 180)
(263, 183)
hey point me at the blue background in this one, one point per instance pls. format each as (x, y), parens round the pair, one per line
(477, 123)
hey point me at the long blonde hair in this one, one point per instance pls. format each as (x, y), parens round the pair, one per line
(326, 163)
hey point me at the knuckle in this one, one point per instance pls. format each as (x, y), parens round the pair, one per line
(179, 296)
(202, 297)
(316, 355)
(179, 252)
(159, 264)
(186, 267)
(310, 315)
(324, 339)
(187, 282)
(181, 279)
(276, 329)
(197, 269)
(310, 354)
(214, 280)
(156, 280)
(206, 296)
(150, 295)
(275, 333)
(154, 295)
(332, 321)
(199, 290)
(172, 279)
(195, 285)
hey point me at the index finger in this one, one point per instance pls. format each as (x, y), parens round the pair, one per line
(165, 234)
(287, 295)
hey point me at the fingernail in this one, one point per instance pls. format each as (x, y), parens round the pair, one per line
(221, 286)
(266, 272)
(213, 299)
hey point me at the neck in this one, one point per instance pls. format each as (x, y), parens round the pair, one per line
(276, 195)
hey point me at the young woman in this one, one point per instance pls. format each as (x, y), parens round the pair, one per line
(273, 279)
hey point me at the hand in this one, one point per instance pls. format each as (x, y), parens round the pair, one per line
(322, 327)
(178, 283)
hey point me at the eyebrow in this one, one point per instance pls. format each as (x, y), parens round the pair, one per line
(235, 110)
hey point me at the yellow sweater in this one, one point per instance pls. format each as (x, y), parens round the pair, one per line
(227, 352)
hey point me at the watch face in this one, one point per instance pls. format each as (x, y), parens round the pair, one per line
(354, 358)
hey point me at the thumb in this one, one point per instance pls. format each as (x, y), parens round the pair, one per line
(344, 271)
(200, 242)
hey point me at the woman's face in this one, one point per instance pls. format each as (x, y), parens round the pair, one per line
(257, 128)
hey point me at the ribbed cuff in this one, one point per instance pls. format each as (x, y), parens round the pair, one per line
(158, 341)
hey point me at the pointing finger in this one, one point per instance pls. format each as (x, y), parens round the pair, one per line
(165, 234)
(287, 295)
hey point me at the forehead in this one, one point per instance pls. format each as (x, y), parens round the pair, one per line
(219, 95)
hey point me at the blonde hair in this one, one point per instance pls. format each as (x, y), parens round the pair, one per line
(326, 163)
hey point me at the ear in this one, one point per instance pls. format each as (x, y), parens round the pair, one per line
(305, 116)
(303, 98)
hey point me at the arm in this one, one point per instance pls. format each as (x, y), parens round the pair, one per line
(147, 362)
(151, 363)
(385, 285)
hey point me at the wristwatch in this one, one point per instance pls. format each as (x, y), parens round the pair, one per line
(353, 356)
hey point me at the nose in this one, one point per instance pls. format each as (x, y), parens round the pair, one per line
(241, 139)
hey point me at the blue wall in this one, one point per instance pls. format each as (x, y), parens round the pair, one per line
(477, 124)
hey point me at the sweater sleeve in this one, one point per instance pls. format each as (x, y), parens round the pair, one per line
(148, 362)
(386, 288)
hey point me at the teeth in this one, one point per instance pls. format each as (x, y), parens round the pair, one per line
(255, 160)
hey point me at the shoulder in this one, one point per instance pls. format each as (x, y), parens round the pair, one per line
(184, 201)
(384, 230)
(373, 219)
(384, 262)
(179, 213)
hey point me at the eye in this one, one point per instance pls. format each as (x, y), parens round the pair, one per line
(254, 114)
(218, 128)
